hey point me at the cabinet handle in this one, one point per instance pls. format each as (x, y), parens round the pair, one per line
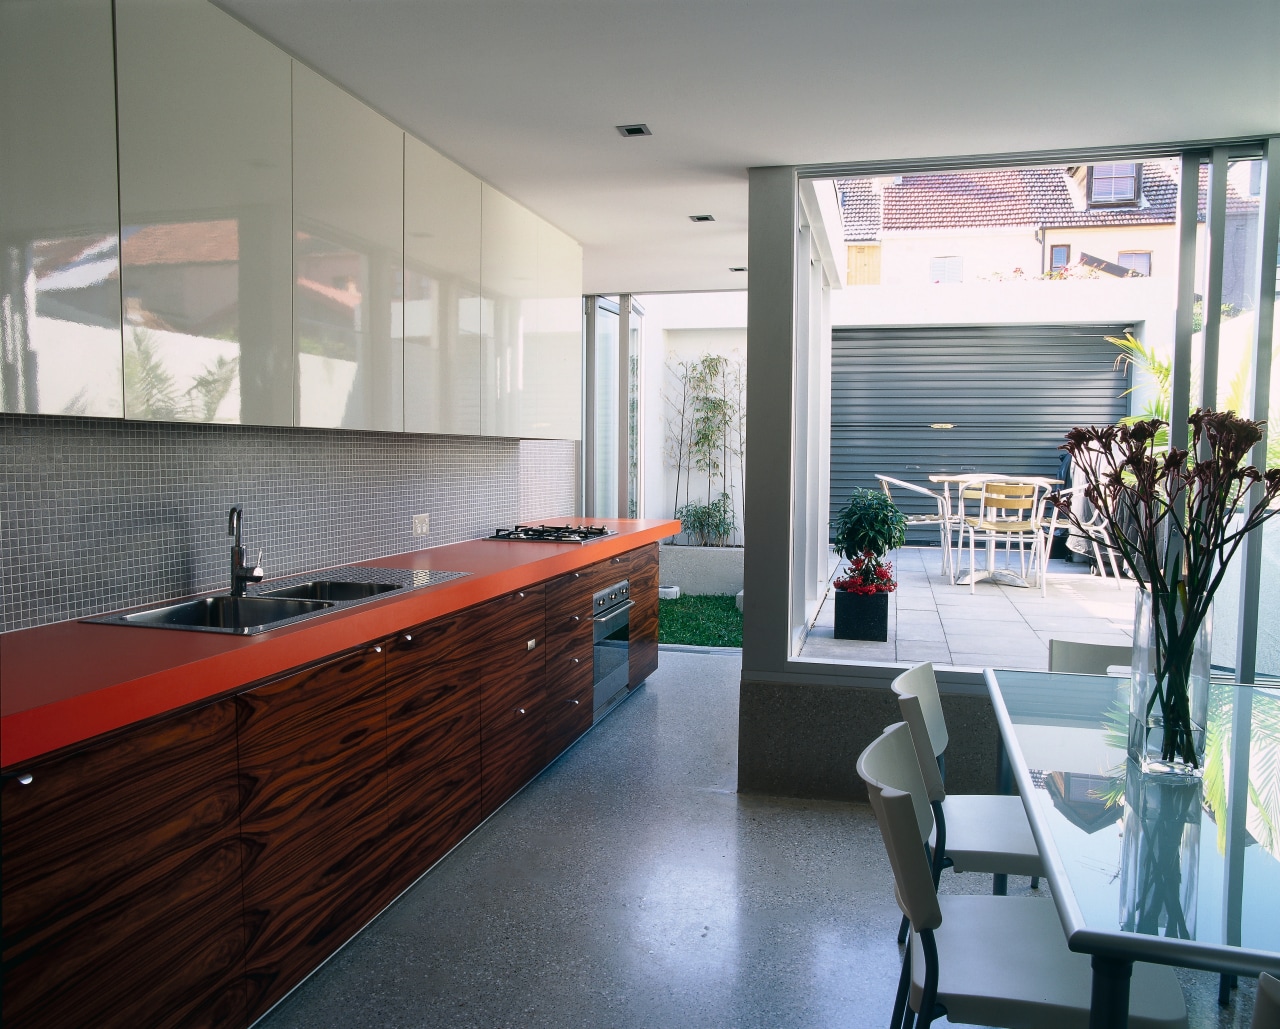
(575, 660)
(520, 595)
(519, 710)
(576, 618)
(532, 644)
(573, 702)
(408, 637)
(26, 779)
(377, 650)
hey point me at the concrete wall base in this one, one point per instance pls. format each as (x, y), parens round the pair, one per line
(803, 739)
(701, 570)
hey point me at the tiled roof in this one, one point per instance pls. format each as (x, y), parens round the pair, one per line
(1005, 198)
(210, 242)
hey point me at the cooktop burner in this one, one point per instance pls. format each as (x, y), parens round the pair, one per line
(554, 533)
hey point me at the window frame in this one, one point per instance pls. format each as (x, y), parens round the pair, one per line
(1135, 253)
(1054, 266)
(1129, 201)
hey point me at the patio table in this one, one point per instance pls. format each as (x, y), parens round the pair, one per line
(1002, 576)
(1142, 868)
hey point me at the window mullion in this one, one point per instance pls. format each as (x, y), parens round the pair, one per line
(1215, 230)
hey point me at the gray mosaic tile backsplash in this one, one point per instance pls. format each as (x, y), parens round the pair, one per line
(100, 514)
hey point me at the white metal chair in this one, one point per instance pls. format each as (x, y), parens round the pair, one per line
(1092, 528)
(1086, 658)
(979, 832)
(997, 961)
(1002, 510)
(942, 517)
(1266, 1004)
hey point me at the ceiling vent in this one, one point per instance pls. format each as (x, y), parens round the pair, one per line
(639, 129)
(702, 217)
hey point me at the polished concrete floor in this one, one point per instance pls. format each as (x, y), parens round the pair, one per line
(630, 886)
(994, 625)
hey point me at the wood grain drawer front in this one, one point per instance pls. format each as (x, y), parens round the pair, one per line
(512, 745)
(643, 656)
(433, 747)
(569, 713)
(313, 753)
(120, 878)
(571, 593)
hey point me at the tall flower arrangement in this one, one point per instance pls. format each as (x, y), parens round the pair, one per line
(1176, 523)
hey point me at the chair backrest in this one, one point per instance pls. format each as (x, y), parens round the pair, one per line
(888, 482)
(1003, 500)
(1086, 658)
(920, 682)
(1266, 1003)
(889, 768)
(930, 772)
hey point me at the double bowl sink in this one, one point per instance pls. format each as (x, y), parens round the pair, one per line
(269, 607)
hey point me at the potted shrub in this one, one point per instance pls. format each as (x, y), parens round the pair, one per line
(866, 529)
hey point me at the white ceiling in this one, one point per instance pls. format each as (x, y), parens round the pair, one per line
(526, 94)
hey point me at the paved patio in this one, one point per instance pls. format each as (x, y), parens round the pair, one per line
(1002, 626)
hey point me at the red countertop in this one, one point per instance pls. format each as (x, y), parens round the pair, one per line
(65, 683)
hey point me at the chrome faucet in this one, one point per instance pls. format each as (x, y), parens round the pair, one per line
(241, 573)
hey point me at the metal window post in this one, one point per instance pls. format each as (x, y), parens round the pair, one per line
(1184, 319)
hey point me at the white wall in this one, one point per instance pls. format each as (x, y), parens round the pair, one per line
(681, 326)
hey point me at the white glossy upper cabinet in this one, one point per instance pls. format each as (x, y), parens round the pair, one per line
(205, 213)
(508, 284)
(551, 406)
(441, 294)
(348, 207)
(59, 227)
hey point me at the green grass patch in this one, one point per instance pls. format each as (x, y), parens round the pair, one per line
(709, 621)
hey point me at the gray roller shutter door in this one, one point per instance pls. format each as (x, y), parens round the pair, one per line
(1011, 393)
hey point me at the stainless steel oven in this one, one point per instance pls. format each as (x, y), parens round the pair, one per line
(611, 617)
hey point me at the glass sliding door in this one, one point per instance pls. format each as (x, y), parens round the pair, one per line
(602, 438)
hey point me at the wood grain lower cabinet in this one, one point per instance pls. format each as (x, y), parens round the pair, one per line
(643, 642)
(313, 755)
(570, 682)
(433, 744)
(121, 881)
(512, 693)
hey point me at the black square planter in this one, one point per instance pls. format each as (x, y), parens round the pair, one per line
(862, 616)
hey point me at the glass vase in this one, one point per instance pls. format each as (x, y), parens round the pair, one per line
(1169, 695)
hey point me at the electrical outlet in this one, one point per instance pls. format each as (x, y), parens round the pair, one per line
(421, 524)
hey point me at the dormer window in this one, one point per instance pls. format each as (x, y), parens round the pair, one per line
(1114, 183)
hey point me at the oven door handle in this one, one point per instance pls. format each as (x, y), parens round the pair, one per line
(612, 618)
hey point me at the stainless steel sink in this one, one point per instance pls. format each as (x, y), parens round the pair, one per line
(241, 615)
(334, 591)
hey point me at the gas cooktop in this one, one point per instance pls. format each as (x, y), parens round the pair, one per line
(554, 533)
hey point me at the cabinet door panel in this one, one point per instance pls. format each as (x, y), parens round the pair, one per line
(442, 294)
(643, 657)
(206, 209)
(433, 744)
(348, 195)
(570, 698)
(512, 738)
(313, 763)
(59, 213)
(121, 881)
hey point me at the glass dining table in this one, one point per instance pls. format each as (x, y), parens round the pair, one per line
(1148, 868)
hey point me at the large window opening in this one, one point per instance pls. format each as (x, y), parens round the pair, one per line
(1069, 310)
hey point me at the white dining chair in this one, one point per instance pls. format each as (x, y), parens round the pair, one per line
(1087, 658)
(977, 832)
(941, 516)
(1266, 1003)
(996, 961)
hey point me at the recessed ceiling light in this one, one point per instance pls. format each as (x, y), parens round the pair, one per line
(740, 268)
(702, 217)
(638, 129)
